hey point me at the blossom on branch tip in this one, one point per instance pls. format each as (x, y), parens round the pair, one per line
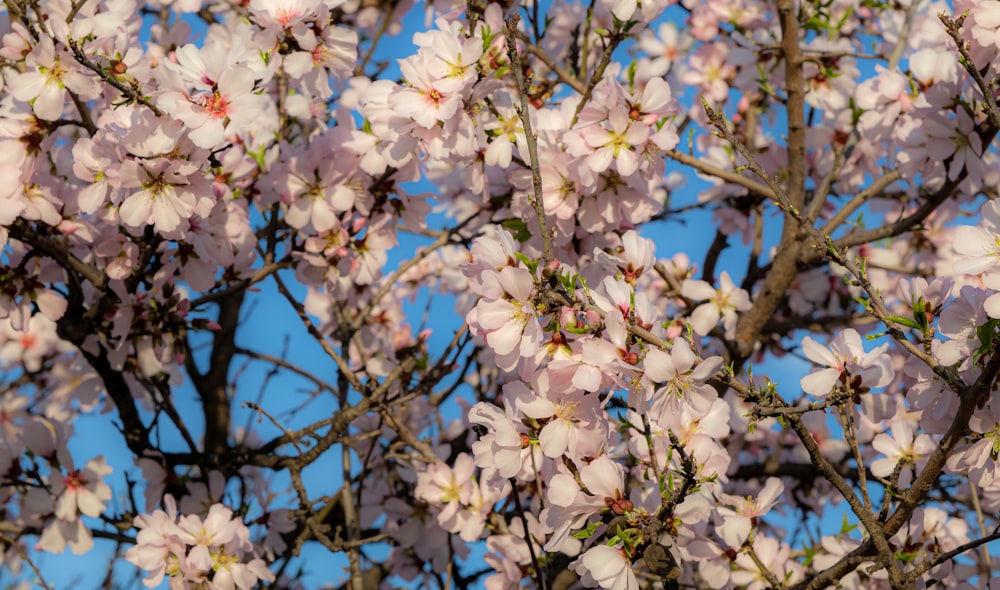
(723, 303)
(678, 380)
(213, 552)
(741, 513)
(847, 364)
(51, 75)
(606, 566)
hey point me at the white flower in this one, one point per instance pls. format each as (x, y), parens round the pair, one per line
(606, 567)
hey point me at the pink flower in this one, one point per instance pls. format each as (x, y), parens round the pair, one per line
(212, 93)
(49, 76)
(218, 528)
(500, 452)
(847, 364)
(165, 194)
(604, 360)
(82, 491)
(979, 245)
(157, 544)
(606, 567)
(90, 164)
(60, 533)
(742, 516)
(981, 458)
(568, 416)
(334, 48)
(903, 448)
(723, 303)
(570, 507)
(509, 325)
(442, 485)
(212, 552)
(637, 257)
(620, 143)
(937, 139)
(12, 199)
(428, 99)
(710, 71)
(664, 49)
(453, 55)
(883, 98)
(983, 28)
(505, 131)
(680, 378)
(284, 13)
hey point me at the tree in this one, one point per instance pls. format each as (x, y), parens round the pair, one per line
(593, 415)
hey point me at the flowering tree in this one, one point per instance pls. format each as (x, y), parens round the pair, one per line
(598, 416)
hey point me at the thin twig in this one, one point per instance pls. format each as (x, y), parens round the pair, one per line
(284, 364)
(904, 34)
(954, 29)
(132, 95)
(949, 555)
(862, 197)
(535, 197)
(39, 578)
(564, 75)
(288, 435)
(345, 368)
(539, 574)
(748, 183)
(985, 564)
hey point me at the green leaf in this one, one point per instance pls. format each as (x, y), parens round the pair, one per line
(905, 322)
(519, 228)
(986, 333)
(920, 314)
(585, 533)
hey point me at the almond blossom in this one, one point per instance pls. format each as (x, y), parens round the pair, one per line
(683, 381)
(162, 193)
(606, 566)
(264, 244)
(902, 448)
(741, 513)
(52, 75)
(978, 244)
(571, 506)
(82, 491)
(509, 325)
(209, 93)
(193, 551)
(568, 416)
(502, 451)
(847, 365)
(723, 303)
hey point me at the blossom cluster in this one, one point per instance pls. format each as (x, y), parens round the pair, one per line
(214, 552)
(615, 414)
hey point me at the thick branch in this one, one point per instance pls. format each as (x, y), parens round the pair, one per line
(213, 386)
(19, 230)
(783, 268)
